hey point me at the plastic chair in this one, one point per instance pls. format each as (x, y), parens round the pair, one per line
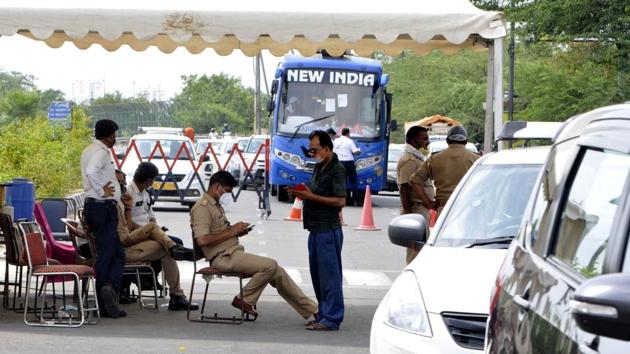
(38, 266)
(13, 258)
(64, 253)
(55, 209)
(207, 273)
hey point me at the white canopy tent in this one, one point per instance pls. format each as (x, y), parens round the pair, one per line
(279, 26)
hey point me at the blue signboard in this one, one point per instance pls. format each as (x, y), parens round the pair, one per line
(58, 111)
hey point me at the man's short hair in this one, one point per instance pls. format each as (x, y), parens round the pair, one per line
(145, 170)
(331, 131)
(223, 178)
(345, 131)
(413, 132)
(324, 138)
(104, 128)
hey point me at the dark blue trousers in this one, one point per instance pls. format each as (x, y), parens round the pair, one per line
(102, 219)
(324, 255)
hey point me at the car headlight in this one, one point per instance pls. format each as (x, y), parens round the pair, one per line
(405, 308)
(368, 162)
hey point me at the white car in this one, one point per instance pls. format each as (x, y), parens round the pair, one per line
(441, 145)
(258, 169)
(182, 184)
(440, 302)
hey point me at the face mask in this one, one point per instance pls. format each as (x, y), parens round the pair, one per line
(424, 151)
(317, 159)
(226, 198)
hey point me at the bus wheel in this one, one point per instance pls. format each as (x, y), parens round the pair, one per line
(283, 195)
(274, 190)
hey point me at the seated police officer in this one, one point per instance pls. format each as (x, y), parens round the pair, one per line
(150, 243)
(219, 242)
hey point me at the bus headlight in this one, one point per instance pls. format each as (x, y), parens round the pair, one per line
(292, 159)
(368, 162)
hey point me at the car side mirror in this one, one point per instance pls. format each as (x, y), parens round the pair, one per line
(408, 230)
(270, 106)
(393, 126)
(601, 306)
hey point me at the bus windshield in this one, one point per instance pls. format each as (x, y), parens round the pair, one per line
(307, 106)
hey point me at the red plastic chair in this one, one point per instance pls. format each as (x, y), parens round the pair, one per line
(65, 254)
(39, 266)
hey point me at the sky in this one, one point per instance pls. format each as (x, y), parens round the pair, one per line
(81, 73)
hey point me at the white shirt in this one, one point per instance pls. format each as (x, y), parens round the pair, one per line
(345, 148)
(97, 168)
(141, 211)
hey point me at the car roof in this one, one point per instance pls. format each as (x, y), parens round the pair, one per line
(526, 156)
(515, 130)
(575, 125)
(161, 137)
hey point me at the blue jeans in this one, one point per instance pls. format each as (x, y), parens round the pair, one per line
(102, 219)
(324, 255)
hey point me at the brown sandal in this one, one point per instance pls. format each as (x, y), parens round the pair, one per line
(318, 326)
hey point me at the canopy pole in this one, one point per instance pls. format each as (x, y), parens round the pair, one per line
(488, 122)
(497, 54)
(257, 115)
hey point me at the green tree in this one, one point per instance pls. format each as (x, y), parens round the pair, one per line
(47, 154)
(211, 101)
(20, 103)
(14, 80)
(49, 96)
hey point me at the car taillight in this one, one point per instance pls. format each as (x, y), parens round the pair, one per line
(495, 296)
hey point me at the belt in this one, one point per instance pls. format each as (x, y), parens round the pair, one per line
(99, 201)
(216, 256)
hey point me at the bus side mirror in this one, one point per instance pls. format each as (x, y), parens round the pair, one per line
(270, 106)
(393, 126)
(274, 87)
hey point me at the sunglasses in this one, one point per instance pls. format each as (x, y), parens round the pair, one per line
(311, 151)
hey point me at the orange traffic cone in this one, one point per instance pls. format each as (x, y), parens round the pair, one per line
(367, 220)
(296, 211)
(343, 223)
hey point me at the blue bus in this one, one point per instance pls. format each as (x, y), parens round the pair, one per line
(321, 92)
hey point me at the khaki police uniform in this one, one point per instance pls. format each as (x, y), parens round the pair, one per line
(155, 246)
(446, 169)
(407, 165)
(208, 217)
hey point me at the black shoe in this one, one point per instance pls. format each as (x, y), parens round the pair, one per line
(179, 303)
(126, 299)
(181, 253)
(110, 301)
(104, 313)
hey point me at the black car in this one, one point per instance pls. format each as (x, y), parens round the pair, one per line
(564, 286)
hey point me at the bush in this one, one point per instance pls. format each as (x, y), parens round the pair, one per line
(47, 154)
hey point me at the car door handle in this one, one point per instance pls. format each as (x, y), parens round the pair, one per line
(521, 302)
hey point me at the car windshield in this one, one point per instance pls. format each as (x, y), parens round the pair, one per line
(490, 204)
(344, 104)
(254, 145)
(394, 155)
(202, 145)
(242, 144)
(170, 148)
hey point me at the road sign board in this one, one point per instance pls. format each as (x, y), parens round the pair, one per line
(59, 110)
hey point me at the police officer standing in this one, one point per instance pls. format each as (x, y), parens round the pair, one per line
(323, 200)
(414, 155)
(101, 214)
(446, 169)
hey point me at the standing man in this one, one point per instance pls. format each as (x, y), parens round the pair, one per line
(101, 214)
(446, 169)
(412, 158)
(219, 242)
(323, 200)
(345, 149)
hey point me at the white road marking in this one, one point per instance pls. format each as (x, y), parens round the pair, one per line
(366, 278)
(260, 232)
(295, 275)
(262, 243)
